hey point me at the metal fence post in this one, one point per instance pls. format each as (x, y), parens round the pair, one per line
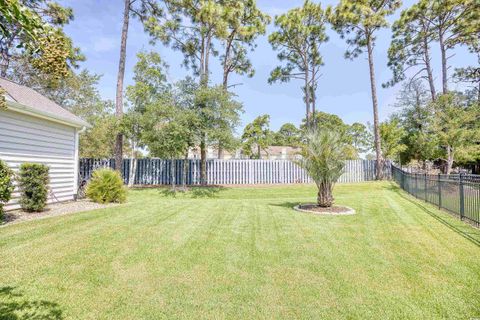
(416, 185)
(462, 197)
(425, 198)
(440, 191)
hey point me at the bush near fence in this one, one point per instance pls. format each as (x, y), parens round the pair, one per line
(456, 193)
(228, 172)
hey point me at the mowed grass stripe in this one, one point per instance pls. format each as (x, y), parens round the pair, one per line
(244, 253)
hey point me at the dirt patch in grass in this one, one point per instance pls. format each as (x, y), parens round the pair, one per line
(52, 210)
(334, 210)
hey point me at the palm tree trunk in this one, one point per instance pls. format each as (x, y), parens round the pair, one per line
(376, 126)
(120, 78)
(324, 196)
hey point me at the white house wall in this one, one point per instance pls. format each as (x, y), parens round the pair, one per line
(25, 138)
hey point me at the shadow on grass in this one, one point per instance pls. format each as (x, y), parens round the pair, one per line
(14, 306)
(461, 228)
(287, 205)
(194, 192)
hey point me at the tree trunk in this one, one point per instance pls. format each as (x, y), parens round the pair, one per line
(184, 175)
(314, 100)
(259, 152)
(204, 61)
(133, 167)
(450, 159)
(307, 99)
(172, 174)
(428, 66)
(376, 126)
(324, 196)
(225, 87)
(444, 62)
(203, 162)
(119, 94)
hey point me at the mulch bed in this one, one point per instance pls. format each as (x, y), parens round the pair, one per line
(52, 210)
(315, 209)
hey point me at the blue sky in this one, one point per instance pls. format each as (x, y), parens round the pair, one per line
(344, 88)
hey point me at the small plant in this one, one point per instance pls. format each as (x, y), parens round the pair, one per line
(106, 186)
(33, 182)
(6, 185)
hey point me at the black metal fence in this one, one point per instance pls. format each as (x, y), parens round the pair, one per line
(457, 193)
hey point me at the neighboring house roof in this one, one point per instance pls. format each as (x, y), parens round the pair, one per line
(279, 150)
(23, 98)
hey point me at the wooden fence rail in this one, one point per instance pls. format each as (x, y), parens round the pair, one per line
(227, 172)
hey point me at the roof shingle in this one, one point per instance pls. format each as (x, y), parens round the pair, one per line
(34, 100)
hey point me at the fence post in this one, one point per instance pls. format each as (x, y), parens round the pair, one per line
(416, 185)
(440, 191)
(425, 187)
(462, 197)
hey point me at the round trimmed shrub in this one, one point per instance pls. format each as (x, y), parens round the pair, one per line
(106, 186)
(6, 185)
(33, 183)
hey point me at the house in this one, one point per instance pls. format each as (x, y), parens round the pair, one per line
(35, 129)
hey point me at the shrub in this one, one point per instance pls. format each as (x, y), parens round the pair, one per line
(323, 158)
(106, 186)
(6, 185)
(33, 182)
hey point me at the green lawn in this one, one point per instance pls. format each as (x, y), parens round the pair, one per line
(244, 254)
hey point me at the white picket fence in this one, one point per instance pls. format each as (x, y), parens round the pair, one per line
(229, 172)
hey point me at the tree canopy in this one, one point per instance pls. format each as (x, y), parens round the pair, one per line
(299, 36)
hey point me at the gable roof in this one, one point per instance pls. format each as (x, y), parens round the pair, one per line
(31, 101)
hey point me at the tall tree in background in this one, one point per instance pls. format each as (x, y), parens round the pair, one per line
(245, 23)
(445, 17)
(257, 135)
(469, 30)
(359, 21)
(149, 87)
(168, 130)
(456, 125)
(119, 91)
(360, 137)
(191, 26)
(410, 47)
(392, 134)
(144, 10)
(287, 135)
(301, 32)
(416, 115)
(355, 137)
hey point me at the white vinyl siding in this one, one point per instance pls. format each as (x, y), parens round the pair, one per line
(25, 138)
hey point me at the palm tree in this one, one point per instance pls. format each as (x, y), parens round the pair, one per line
(323, 157)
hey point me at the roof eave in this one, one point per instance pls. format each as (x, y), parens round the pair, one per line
(15, 106)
